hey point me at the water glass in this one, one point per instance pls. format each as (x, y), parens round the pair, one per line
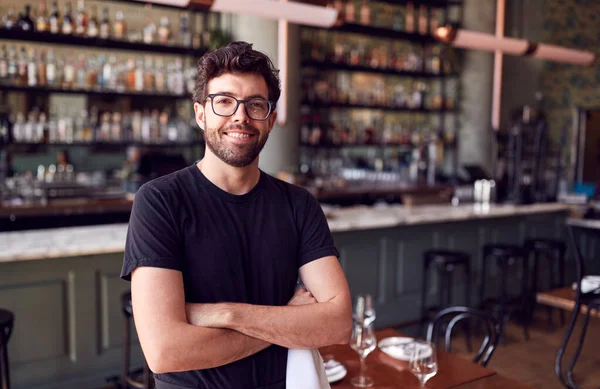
(423, 361)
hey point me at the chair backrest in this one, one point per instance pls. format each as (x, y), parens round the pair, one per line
(446, 319)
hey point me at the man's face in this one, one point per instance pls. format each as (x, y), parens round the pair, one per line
(236, 140)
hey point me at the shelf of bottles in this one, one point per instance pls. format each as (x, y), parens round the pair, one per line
(85, 27)
(152, 128)
(378, 92)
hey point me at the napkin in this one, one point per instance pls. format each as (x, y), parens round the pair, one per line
(305, 370)
(588, 284)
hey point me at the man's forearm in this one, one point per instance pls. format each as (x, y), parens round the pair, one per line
(215, 347)
(303, 326)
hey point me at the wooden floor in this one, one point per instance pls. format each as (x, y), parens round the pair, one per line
(532, 362)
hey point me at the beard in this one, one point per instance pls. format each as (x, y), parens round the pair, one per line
(235, 155)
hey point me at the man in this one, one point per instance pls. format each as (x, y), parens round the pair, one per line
(214, 250)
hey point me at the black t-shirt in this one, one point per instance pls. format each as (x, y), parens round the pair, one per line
(229, 248)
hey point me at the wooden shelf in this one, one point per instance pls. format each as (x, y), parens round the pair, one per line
(325, 105)
(106, 145)
(60, 39)
(382, 33)
(367, 69)
(92, 92)
(357, 146)
(417, 3)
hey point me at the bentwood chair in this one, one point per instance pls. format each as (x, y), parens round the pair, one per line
(446, 320)
(591, 301)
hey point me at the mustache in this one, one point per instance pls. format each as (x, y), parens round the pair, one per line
(242, 127)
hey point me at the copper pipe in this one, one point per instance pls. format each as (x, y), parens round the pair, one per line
(498, 65)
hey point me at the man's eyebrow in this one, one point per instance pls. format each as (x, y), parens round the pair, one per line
(228, 93)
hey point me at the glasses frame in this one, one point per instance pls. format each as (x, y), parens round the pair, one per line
(238, 102)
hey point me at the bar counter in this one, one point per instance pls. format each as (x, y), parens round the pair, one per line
(64, 288)
(106, 239)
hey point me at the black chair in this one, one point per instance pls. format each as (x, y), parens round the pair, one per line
(449, 317)
(7, 320)
(445, 263)
(127, 376)
(551, 254)
(592, 301)
(506, 306)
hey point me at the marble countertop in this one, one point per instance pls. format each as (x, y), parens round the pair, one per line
(110, 238)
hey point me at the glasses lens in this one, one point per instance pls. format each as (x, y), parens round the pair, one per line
(224, 105)
(258, 109)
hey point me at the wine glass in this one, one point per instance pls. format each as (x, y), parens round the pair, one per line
(423, 361)
(363, 342)
(364, 303)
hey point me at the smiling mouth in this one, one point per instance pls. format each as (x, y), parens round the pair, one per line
(239, 135)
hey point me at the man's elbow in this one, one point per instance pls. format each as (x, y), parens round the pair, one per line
(345, 330)
(159, 360)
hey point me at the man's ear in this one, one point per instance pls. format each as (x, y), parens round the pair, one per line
(272, 120)
(199, 113)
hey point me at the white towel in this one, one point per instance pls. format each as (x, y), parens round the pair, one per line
(305, 370)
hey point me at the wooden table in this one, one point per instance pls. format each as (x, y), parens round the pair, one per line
(494, 382)
(563, 298)
(390, 373)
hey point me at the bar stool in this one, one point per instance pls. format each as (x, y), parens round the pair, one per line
(127, 376)
(7, 320)
(444, 262)
(505, 306)
(552, 251)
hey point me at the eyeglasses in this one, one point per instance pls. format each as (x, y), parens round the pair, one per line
(256, 108)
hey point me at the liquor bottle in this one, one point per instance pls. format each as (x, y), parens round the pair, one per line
(399, 23)
(138, 75)
(130, 77)
(105, 25)
(410, 17)
(81, 73)
(119, 28)
(41, 23)
(9, 20)
(178, 87)
(22, 76)
(104, 131)
(3, 65)
(51, 68)
(81, 19)
(149, 32)
(54, 19)
(92, 74)
(93, 24)
(159, 76)
(365, 13)
(184, 30)
(67, 22)
(423, 19)
(350, 12)
(116, 129)
(148, 74)
(433, 21)
(69, 73)
(25, 22)
(32, 67)
(164, 31)
(13, 68)
(41, 69)
(107, 70)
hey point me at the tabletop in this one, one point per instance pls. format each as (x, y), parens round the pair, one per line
(563, 298)
(495, 381)
(391, 373)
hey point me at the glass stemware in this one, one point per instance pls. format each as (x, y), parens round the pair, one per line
(423, 361)
(363, 342)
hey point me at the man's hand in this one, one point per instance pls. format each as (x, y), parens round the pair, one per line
(302, 297)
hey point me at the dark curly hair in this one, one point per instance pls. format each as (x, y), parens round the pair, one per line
(236, 58)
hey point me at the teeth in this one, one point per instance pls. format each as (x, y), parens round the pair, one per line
(238, 135)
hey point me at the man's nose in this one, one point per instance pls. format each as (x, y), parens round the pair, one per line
(240, 114)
